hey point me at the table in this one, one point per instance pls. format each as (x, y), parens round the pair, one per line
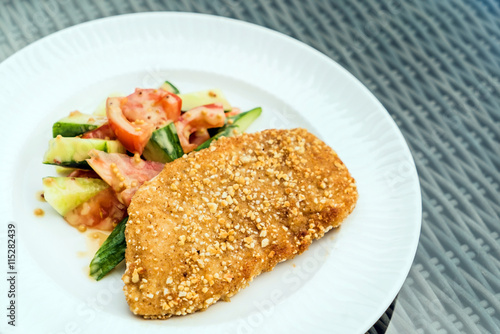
(435, 66)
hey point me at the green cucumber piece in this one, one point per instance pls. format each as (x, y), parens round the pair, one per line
(196, 99)
(164, 145)
(245, 119)
(169, 87)
(235, 125)
(64, 171)
(66, 193)
(114, 146)
(76, 124)
(111, 252)
(72, 151)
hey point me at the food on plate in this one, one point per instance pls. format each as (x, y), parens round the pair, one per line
(211, 221)
(102, 132)
(85, 173)
(134, 118)
(122, 172)
(101, 212)
(102, 264)
(169, 87)
(164, 145)
(38, 212)
(103, 158)
(235, 125)
(66, 193)
(192, 126)
(111, 252)
(195, 99)
(195, 206)
(84, 202)
(73, 151)
(76, 124)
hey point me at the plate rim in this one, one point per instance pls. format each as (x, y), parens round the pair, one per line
(415, 184)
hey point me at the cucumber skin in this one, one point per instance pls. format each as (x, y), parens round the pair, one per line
(71, 130)
(164, 145)
(66, 193)
(111, 252)
(75, 125)
(169, 87)
(71, 164)
(241, 122)
(226, 131)
(244, 119)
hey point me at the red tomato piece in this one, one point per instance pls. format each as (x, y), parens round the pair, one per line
(102, 212)
(134, 137)
(135, 117)
(153, 106)
(193, 124)
(102, 132)
(123, 173)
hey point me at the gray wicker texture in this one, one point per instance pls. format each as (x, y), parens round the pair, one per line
(435, 65)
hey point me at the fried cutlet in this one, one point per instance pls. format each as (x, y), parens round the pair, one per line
(213, 220)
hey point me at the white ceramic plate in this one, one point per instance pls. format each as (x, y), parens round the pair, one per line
(342, 284)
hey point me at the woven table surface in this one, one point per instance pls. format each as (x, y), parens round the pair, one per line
(435, 66)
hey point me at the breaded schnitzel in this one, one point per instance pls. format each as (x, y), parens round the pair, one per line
(213, 220)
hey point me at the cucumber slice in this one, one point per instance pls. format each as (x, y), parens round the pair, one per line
(196, 99)
(66, 193)
(72, 151)
(164, 145)
(111, 252)
(64, 171)
(169, 87)
(76, 124)
(114, 146)
(235, 125)
(244, 119)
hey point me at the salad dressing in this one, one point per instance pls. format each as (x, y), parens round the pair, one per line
(38, 212)
(39, 196)
(94, 240)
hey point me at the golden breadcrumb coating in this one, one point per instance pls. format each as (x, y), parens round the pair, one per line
(213, 220)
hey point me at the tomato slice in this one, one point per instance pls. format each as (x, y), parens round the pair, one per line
(193, 124)
(134, 137)
(135, 117)
(102, 132)
(102, 212)
(123, 173)
(153, 106)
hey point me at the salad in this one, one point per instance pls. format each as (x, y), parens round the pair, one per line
(106, 156)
